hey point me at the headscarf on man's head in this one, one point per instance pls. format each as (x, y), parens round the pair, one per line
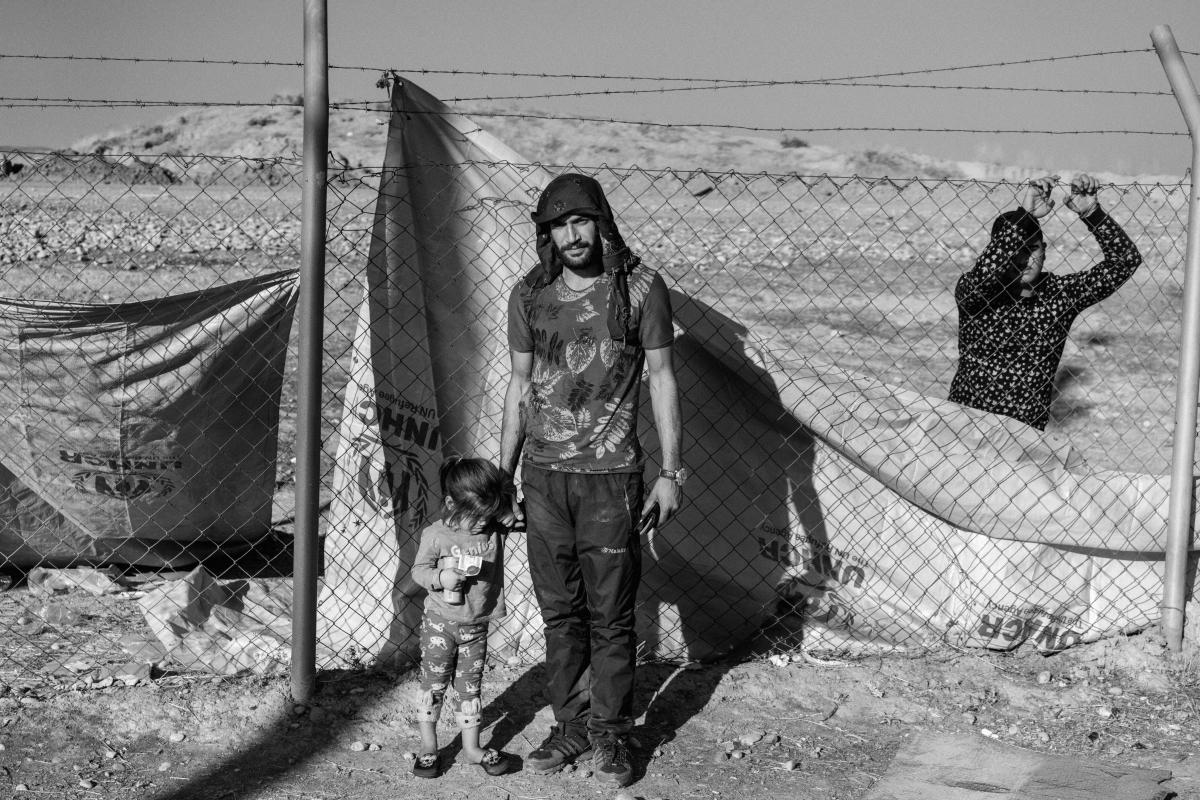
(572, 193)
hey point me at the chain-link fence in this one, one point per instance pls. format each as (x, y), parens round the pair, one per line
(855, 272)
(859, 274)
(146, 312)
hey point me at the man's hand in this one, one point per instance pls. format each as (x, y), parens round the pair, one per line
(669, 497)
(1035, 196)
(1082, 199)
(514, 517)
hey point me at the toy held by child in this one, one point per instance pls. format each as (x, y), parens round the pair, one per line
(460, 561)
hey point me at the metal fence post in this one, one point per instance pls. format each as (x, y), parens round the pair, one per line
(1179, 515)
(311, 315)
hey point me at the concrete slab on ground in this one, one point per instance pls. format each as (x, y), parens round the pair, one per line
(955, 767)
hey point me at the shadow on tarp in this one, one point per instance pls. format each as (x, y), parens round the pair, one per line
(269, 556)
(712, 575)
(141, 432)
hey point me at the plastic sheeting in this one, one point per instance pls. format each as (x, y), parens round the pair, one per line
(141, 433)
(428, 367)
(888, 519)
(224, 627)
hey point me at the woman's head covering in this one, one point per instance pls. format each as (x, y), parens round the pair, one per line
(1014, 234)
(1018, 231)
(572, 193)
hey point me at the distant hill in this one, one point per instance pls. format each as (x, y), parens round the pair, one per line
(357, 139)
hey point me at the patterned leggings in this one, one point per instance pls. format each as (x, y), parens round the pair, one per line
(451, 651)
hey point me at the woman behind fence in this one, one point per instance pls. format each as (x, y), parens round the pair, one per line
(460, 561)
(1013, 318)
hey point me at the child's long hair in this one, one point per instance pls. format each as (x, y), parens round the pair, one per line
(478, 488)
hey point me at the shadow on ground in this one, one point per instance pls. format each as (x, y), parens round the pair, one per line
(667, 696)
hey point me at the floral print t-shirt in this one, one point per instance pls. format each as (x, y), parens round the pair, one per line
(581, 411)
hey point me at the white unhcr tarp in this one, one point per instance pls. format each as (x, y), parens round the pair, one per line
(429, 367)
(891, 520)
(142, 432)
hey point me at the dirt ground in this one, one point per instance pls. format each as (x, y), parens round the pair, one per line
(802, 726)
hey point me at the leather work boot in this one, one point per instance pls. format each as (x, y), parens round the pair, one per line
(611, 760)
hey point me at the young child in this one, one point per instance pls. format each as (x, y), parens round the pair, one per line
(460, 604)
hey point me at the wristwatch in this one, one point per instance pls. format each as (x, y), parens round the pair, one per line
(677, 475)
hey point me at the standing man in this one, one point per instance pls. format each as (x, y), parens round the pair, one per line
(581, 326)
(1013, 318)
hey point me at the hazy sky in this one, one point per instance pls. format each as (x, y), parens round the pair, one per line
(774, 40)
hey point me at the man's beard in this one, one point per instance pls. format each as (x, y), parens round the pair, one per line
(581, 258)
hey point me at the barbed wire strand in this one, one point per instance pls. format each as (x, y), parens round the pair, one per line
(868, 76)
(684, 175)
(48, 102)
(90, 102)
(730, 126)
(10, 102)
(583, 76)
(296, 159)
(709, 85)
(817, 83)
(985, 88)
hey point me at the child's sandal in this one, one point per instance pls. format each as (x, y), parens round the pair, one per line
(494, 762)
(426, 765)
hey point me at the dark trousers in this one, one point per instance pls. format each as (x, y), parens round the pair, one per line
(585, 561)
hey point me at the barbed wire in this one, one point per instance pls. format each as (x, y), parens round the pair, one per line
(683, 175)
(709, 84)
(868, 76)
(585, 76)
(754, 128)
(57, 102)
(374, 106)
(865, 80)
(82, 102)
(982, 88)
(769, 84)
(150, 60)
(181, 158)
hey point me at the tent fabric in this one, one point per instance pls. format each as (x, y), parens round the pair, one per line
(887, 519)
(892, 519)
(428, 367)
(141, 433)
(223, 627)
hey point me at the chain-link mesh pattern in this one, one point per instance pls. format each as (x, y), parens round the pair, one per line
(859, 273)
(135, 287)
(856, 272)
